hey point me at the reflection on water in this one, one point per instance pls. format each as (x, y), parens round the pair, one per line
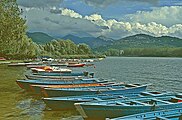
(163, 73)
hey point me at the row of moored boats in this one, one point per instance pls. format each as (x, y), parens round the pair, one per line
(95, 98)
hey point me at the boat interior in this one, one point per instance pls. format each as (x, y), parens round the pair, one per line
(174, 114)
(151, 102)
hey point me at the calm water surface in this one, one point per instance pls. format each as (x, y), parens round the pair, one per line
(163, 73)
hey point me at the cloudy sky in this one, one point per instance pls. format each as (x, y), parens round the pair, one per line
(110, 18)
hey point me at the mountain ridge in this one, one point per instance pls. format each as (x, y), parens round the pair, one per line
(143, 41)
(40, 37)
(93, 42)
(103, 43)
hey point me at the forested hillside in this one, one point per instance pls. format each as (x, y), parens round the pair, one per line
(144, 45)
(39, 37)
(63, 47)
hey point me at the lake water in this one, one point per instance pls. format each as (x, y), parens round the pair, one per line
(163, 73)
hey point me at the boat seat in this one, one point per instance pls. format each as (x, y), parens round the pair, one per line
(111, 89)
(120, 103)
(96, 98)
(90, 89)
(175, 100)
(132, 85)
(141, 103)
(120, 96)
(161, 118)
(158, 100)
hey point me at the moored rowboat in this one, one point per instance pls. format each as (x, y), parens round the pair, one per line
(40, 77)
(76, 65)
(25, 84)
(37, 89)
(118, 108)
(67, 103)
(168, 114)
(62, 74)
(24, 64)
(50, 70)
(36, 66)
(124, 88)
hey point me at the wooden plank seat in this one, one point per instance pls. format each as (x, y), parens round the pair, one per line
(161, 118)
(141, 103)
(162, 101)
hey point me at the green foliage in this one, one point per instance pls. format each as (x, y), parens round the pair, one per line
(83, 49)
(57, 48)
(144, 45)
(39, 37)
(112, 52)
(147, 52)
(13, 40)
(142, 41)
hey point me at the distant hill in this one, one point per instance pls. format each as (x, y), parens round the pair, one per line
(91, 41)
(103, 43)
(39, 37)
(143, 41)
(42, 38)
(77, 39)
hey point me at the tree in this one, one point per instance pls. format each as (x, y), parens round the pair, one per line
(13, 39)
(113, 52)
(84, 49)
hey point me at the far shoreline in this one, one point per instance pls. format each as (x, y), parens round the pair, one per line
(142, 57)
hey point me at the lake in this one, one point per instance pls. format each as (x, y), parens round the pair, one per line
(164, 74)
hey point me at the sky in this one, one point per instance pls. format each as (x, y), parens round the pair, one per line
(110, 18)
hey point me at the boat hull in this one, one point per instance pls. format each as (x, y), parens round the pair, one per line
(61, 74)
(69, 101)
(60, 104)
(101, 112)
(63, 103)
(40, 77)
(25, 84)
(37, 89)
(168, 114)
(76, 65)
(58, 92)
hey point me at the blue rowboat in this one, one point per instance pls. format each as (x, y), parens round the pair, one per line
(62, 74)
(67, 103)
(40, 77)
(25, 84)
(37, 89)
(118, 108)
(125, 88)
(168, 114)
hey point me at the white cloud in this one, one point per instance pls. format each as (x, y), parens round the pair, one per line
(94, 17)
(56, 24)
(167, 22)
(119, 29)
(71, 13)
(167, 16)
(71, 22)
